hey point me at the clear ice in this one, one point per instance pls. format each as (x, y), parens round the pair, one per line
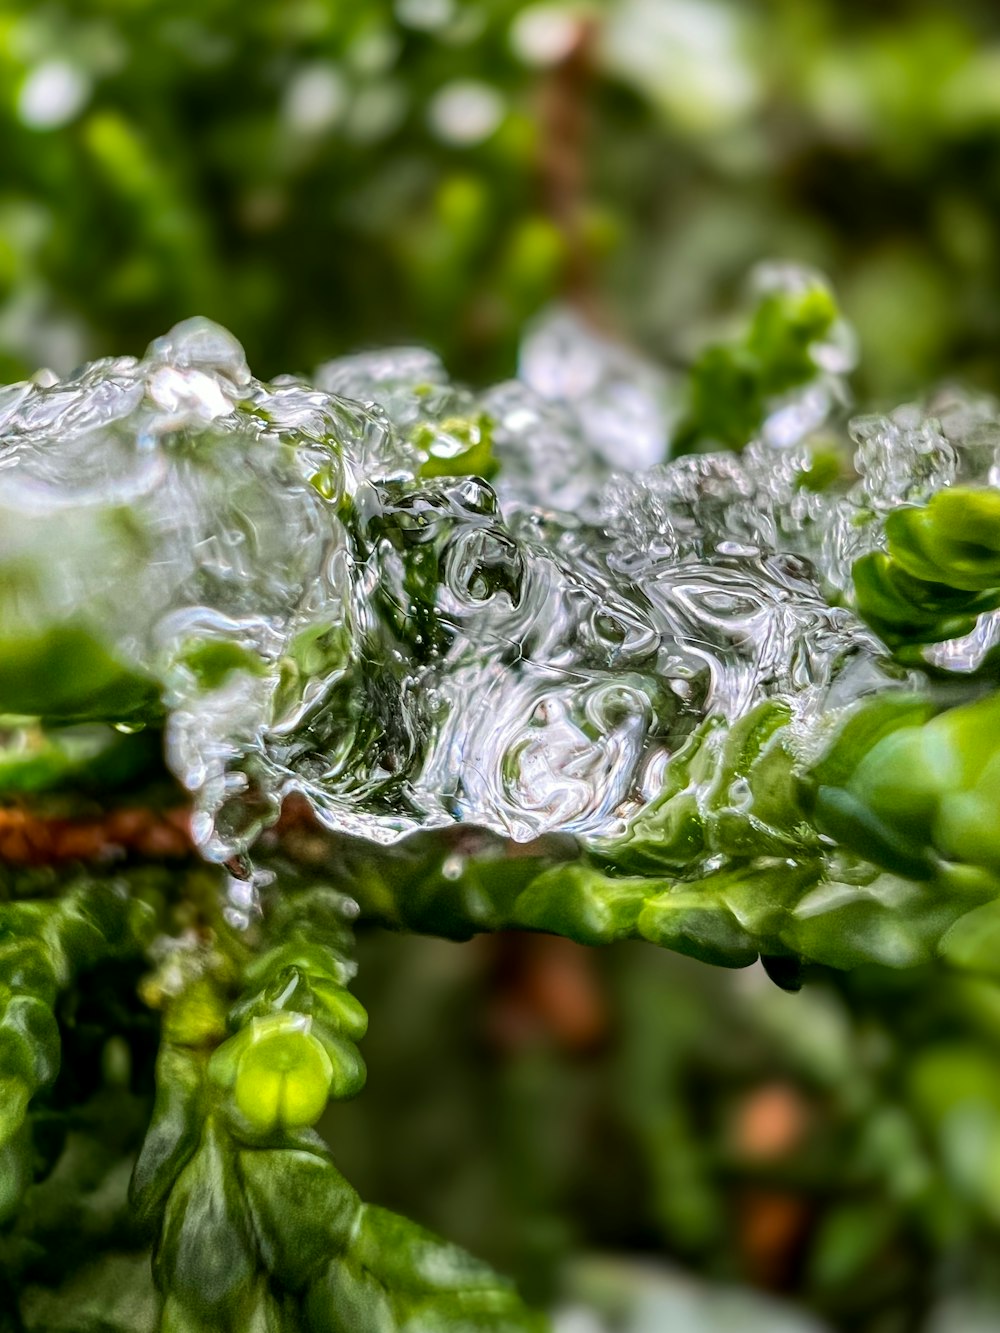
(320, 610)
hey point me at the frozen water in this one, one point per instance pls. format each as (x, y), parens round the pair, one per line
(399, 380)
(321, 612)
(174, 509)
(620, 401)
(792, 417)
(969, 652)
(902, 458)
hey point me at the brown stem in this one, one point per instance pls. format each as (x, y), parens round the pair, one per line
(565, 131)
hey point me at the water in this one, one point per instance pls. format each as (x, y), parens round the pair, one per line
(322, 612)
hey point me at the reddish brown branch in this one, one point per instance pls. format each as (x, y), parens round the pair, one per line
(563, 162)
(30, 839)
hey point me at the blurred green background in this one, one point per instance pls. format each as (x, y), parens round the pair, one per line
(322, 176)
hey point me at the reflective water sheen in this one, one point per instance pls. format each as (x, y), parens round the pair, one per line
(327, 612)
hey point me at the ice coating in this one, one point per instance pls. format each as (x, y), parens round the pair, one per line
(180, 520)
(290, 575)
(621, 402)
(901, 458)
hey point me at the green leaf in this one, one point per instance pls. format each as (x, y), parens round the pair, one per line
(205, 1255)
(913, 788)
(953, 539)
(297, 1241)
(733, 384)
(63, 674)
(941, 570)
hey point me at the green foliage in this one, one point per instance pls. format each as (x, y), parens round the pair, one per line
(953, 539)
(43, 944)
(865, 838)
(880, 850)
(65, 675)
(272, 163)
(734, 384)
(255, 1227)
(191, 156)
(726, 865)
(919, 793)
(95, 758)
(940, 572)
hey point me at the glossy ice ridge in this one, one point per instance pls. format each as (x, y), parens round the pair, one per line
(321, 608)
